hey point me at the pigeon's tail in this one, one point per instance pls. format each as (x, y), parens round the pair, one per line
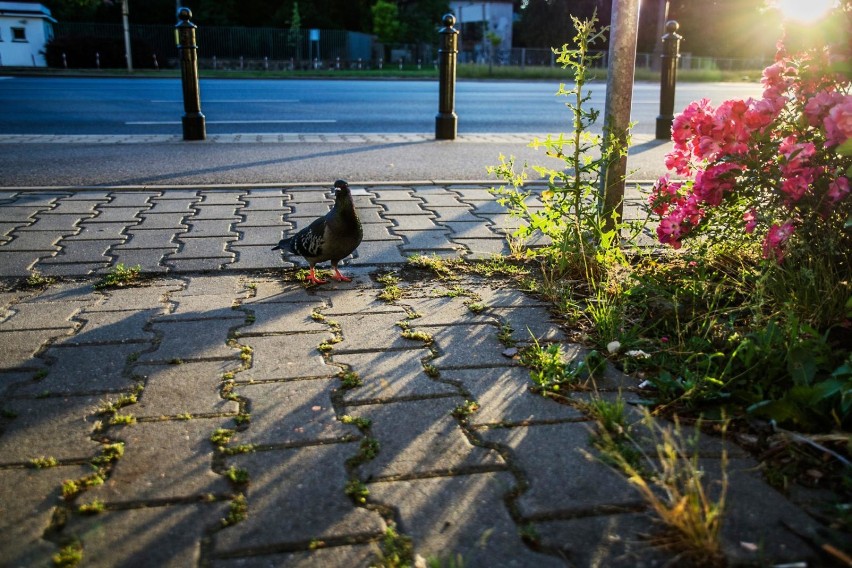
(284, 244)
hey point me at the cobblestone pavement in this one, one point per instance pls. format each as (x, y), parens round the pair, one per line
(231, 418)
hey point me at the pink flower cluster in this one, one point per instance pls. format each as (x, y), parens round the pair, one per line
(773, 156)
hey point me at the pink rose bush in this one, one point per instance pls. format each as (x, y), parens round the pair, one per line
(772, 168)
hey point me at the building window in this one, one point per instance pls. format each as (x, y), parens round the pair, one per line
(19, 34)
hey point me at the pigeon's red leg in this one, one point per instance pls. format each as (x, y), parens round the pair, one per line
(339, 277)
(312, 277)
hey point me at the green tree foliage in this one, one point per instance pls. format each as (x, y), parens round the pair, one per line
(386, 21)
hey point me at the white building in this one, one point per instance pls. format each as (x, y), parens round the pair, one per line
(476, 20)
(25, 28)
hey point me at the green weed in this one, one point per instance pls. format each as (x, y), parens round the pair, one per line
(119, 276)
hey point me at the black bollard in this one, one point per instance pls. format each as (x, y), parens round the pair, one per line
(446, 121)
(193, 121)
(668, 78)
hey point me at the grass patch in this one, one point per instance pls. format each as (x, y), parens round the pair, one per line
(391, 292)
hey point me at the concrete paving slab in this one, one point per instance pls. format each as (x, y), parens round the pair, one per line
(85, 369)
(460, 516)
(188, 265)
(309, 209)
(150, 221)
(388, 376)
(380, 252)
(421, 438)
(454, 215)
(203, 306)
(261, 202)
(483, 249)
(9, 380)
(261, 219)
(127, 215)
(202, 248)
(83, 252)
(148, 239)
(167, 536)
(277, 291)
(191, 340)
(174, 390)
(287, 357)
(209, 228)
(150, 260)
(151, 296)
(71, 269)
(292, 412)
(209, 285)
(396, 208)
(442, 310)
(40, 199)
(360, 301)
(49, 427)
(67, 292)
(426, 241)
(27, 500)
(309, 480)
(19, 215)
(173, 205)
(256, 236)
(254, 257)
(209, 212)
(221, 197)
(74, 206)
(413, 223)
(168, 459)
(365, 331)
(470, 230)
(530, 323)
(140, 199)
(33, 241)
(17, 264)
(551, 456)
(100, 232)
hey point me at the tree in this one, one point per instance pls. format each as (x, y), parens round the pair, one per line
(386, 21)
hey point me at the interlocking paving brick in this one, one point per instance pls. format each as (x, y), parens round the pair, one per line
(426, 241)
(207, 212)
(454, 214)
(66, 206)
(152, 296)
(38, 199)
(429, 440)
(19, 215)
(309, 480)
(192, 387)
(377, 232)
(47, 267)
(435, 199)
(46, 315)
(283, 318)
(292, 412)
(583, 483)
(391, 375)
(287, 357)
(130, 199)
(463, 346)
(202, 248)
(27, 501)
(33, 241)
(471, 230)
(380, 252)
(263, 203)
(209, 228)
(504, 297)
(66, 224)
(275, 291)
(484, 249)
(345, 555)
(112, 327)
(149, 259)
(191, 340)
(163, 460)
(530, 323)
(117, 215)
(20, 347)
(84, 369)
(148, 239)
(179, 194)
(360, 301)
(211, 285)
(392, 194)
(311, 195)
(82, 252)
(312, 210)
(162, 221)
(504, 397)
(185, 206)
(221, 197)
(366, 331)
(401, 208)
(442, 311)
(67, 292)
(168, 536)
(197, 264)
(257, 236)
(9, 380)
(460, 516)
(49, 427)
(249, 257)
(100, 232)
(203, 306)
(413, 223)
(261, 219)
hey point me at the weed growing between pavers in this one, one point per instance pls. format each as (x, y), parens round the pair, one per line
(391, 292)
(43, 462)
(36, 280)
(120, 276)
(397, 550)
(69, 556)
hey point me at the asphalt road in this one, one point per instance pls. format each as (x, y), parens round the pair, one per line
(138, 107)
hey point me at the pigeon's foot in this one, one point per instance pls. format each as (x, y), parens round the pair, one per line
(339, 277)
(312, 278)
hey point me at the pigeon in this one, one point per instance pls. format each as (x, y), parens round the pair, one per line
(332, 237)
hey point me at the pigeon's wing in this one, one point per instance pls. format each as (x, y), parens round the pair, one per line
(309, 241)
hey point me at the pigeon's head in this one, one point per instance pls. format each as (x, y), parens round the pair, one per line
(341, 189)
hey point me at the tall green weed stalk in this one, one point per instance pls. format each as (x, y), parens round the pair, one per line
(569, 214)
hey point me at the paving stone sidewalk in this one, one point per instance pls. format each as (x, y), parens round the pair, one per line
(195, 421)
(85, 232)
(222, 416)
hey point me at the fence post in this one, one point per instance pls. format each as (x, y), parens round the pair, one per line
(668, 78)
(193, 121)
(446, 121)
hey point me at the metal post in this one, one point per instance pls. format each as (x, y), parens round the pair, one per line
(619, 96)
(668, 78)
(193, 121)
(125, 14)
(446, 122)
